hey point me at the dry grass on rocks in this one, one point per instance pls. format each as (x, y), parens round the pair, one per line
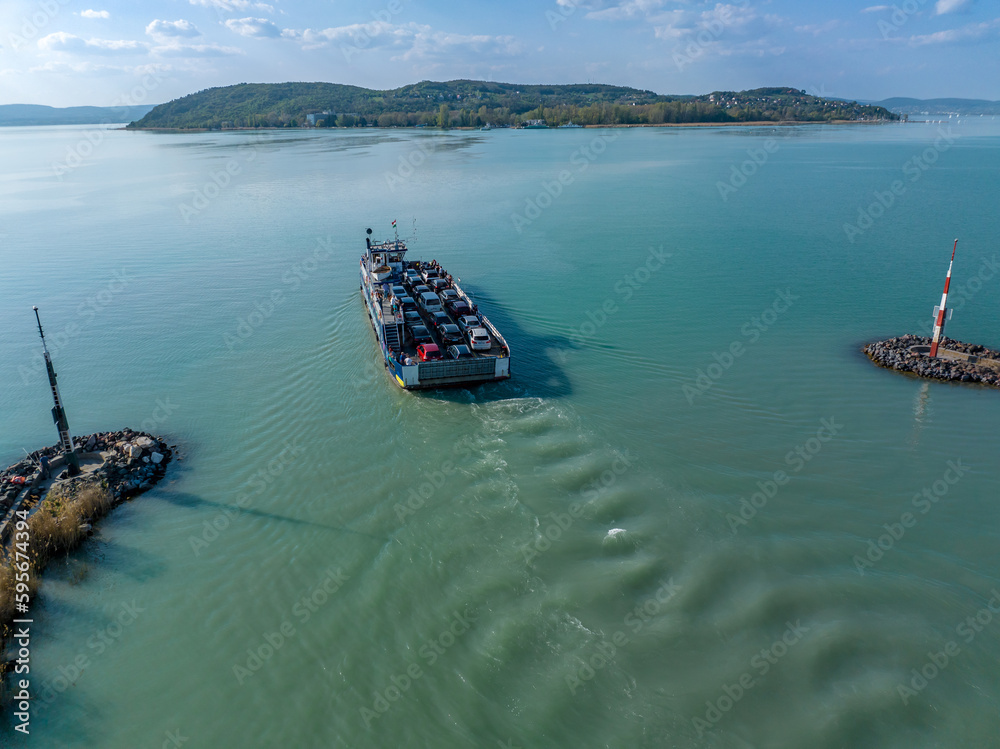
(57, 526)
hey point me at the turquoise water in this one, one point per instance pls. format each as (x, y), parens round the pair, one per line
(660, 532)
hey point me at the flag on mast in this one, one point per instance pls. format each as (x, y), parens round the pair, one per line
(394, 223)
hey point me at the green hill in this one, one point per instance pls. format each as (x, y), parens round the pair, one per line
(465, 103)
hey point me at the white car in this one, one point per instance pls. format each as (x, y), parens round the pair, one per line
(479, 339)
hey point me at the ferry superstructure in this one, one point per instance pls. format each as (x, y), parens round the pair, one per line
(398, 309)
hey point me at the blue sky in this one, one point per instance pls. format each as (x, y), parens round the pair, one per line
(64, 53)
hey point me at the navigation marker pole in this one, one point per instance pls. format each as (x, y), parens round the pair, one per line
(940, 312)
(59, 413)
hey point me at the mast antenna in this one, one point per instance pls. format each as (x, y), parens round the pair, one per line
(941, 312)
(58, 412)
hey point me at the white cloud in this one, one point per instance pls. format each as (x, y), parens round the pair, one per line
(373, 34)
(971, 32)
(172, 28)
(195, 50)
(94, 14)
(412, 40)
(673, 24)
(876, 8)
(950, 6)
(430, 44)
(60, 41)
(233, 5)
(626, 10)
(53, 66)
(720, 20)
(818, 28)
(90, 68)
(258, 27)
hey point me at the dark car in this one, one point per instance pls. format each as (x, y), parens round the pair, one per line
(420, 289)
(428, 352)
(459, 308)
(459, 352)
(437, 284)
(448, 295)
(406, 302)
(420, 334)
(440, 318)
(398, 291)
(412, 317)
(412, 275)
(449, 333)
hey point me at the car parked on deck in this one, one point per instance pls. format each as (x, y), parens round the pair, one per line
(428, 352)
(430, 302)
(459, 352)
(440, 318)
(479, 339)
(459, 307)
(449, 333)
(467, 322)
(420, 334)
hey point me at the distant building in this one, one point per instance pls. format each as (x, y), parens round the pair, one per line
(314, 116)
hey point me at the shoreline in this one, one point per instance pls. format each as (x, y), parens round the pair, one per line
(762, 123)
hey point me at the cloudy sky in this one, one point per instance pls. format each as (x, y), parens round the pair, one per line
(64, 53)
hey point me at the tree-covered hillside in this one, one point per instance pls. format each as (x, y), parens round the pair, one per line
(475, 103)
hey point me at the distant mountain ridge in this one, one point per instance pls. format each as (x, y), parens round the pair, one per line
(38, 114)
(904, 105)
(466, 103)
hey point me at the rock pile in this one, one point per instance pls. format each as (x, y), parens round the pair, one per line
(134, 462)
(899, 354)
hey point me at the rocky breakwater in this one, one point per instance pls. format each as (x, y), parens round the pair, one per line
(956, 361)
(137, 462)
(127, 462)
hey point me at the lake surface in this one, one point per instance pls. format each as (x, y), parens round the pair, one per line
(664, 531)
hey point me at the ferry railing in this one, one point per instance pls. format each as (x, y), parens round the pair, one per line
(486, 321)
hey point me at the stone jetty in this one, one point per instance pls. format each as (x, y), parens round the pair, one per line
(956, 361)
(129, 462)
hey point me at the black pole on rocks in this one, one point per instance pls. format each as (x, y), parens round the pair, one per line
(58, 412)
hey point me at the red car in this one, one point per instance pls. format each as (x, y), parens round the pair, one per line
(428, 352)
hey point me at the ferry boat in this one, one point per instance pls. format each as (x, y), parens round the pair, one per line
(432, 334)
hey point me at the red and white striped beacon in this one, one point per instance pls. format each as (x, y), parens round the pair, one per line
(940, 313)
